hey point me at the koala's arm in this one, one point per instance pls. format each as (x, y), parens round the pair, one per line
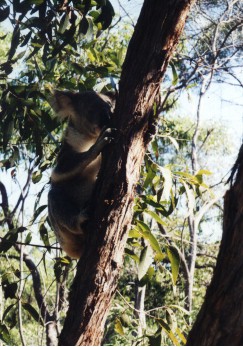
(71, 163)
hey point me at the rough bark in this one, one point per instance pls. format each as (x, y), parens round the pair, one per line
(220, 320)
(154, 40)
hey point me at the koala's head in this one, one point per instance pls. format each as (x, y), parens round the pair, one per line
(88, 112)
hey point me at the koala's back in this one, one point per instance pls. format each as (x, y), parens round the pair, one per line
(77, 167)
(76, 185)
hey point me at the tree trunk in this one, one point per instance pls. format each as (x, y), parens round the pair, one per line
(154, 40)
(219, 322)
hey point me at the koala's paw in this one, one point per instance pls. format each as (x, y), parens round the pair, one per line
(107, 136)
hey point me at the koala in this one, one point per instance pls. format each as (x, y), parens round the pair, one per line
(78, 163)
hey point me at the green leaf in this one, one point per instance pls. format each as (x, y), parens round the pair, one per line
(32, 311)
(182, 309)
(132, 255)
(134, 233)
(38, 212)
(174, 74)
(174, 259)
(204, 172)
(149, 178)
(120, 56)
(181, 336)
(91, 56)
(190, 198)
(190, 177)
(83, 26)
(146, 233)
(106, 15)
(8, 129)
(142, 226)
(9, 289)
(19, 56)
(146, 260)
(118, 327)
(4, 13)
(5, 335)
(21, 229)
(3, 37)
(36, 2)
(8, 240)
(8, 309)
(173, 141)
(44, 235)
(150, 272)
(64, 22)
(28, 238)
(168, 331)
(155, 216)
(36, 176)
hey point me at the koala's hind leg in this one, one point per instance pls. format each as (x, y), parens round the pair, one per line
(72, 244)
(64, 214)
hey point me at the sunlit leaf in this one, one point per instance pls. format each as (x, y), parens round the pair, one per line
(155, 216)
(118, 327)
(134, 233)
(173, 141)
(174, 261)
(36, 176)
(190, 198)
(167, 174)
(146, 260)
(181, 335)
(169, 332)
(204, 172)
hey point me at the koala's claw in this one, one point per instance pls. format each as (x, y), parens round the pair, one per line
(109, 131)
(107, 136)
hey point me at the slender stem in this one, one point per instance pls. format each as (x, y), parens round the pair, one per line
(21, 287)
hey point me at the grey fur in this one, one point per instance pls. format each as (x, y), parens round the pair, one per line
(78, 163)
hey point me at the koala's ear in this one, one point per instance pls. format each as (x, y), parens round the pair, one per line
(62, 103)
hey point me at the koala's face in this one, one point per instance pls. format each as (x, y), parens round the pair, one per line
(89, 112)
